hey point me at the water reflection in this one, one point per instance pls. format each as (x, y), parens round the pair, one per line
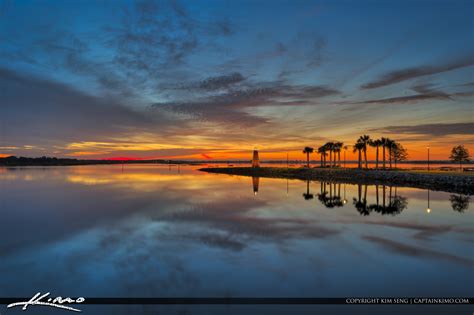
(307, 195)
(387, 199)
(459, 203)
(255, 183)
(169, 231)
(330, 195)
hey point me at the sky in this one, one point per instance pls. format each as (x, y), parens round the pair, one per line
(215, 79)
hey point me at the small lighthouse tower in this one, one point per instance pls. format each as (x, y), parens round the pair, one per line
(255, 160)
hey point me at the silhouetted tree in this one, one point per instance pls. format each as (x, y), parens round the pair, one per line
(399, 153)
(358, 147)
(322, 152)
(307, 151)
(459, 154)
(376, 143)
(337, 148)
(364, 140)
(390, 144)
(384, 145)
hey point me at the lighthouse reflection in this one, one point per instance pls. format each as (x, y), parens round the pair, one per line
(255, 183)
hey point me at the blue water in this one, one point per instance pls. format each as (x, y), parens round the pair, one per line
(160, 231)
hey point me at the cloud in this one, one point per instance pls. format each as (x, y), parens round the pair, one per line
(229, 107)
(424, 92)
(412, 251)
(440, 129)
(38, 111)
(215, 82)
(416, 72)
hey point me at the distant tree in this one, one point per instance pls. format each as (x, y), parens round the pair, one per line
(399, 153)
(376, 143)
(459, 154)
(307, 151)
(459, 203)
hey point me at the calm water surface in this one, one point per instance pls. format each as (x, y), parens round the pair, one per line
(169, 231)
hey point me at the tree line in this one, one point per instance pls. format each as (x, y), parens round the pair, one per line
(391, 149)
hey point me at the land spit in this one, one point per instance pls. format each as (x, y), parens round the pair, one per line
(450, 181)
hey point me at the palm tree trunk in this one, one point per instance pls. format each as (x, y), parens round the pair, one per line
(390, 156)
(339, 157)
(377, 158)
(365, 158)
(307, 159)
(383, 151)
(321, 160)
(360, 158)
(330, 158)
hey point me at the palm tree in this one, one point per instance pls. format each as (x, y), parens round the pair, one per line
(390, 144)
(307, 151)
(376, 143)
(337, 148)
(358, 147)
(330, 147)
(365, 141)
(384, 144)
(322, 152)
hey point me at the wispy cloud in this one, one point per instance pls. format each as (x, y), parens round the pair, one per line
(416, 72)
(439, 129)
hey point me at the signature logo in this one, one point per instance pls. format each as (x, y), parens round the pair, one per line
(45, 300)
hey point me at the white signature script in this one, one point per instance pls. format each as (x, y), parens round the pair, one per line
(45, 300)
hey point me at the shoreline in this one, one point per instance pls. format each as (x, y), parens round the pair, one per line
(449, 182)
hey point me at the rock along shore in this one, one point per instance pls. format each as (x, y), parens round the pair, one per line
(443, 181)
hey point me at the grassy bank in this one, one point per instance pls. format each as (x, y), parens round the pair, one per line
(449, 181)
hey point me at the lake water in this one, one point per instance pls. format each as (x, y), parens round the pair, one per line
(169, 231)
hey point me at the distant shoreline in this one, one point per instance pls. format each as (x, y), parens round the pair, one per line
(53, 161)
(449, 181)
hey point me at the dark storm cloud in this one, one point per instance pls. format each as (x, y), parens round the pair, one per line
(415, 72)
(39, 110)
(431, 129)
